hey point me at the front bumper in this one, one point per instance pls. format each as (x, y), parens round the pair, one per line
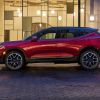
(2, 54)
(1, 61)
(2, 58)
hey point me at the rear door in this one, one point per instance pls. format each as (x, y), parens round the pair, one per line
(67, 45)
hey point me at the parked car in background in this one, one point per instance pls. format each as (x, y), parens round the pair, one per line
(54, 44)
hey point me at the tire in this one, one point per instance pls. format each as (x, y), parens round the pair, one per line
(14, 60)
(89, 59)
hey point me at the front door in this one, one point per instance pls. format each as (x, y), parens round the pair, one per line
(45, 47)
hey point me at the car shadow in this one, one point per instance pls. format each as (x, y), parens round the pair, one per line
(60, 73)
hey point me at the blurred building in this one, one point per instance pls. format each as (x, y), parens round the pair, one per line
(21, 18)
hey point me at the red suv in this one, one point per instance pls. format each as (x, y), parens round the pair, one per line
(55, 44)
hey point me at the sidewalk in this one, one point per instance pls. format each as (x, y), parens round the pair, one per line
(49, 65)
(52, 65)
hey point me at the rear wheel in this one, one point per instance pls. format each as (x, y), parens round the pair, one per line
(89, 59)
(14, 60)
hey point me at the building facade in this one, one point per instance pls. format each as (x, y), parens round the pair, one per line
(21, 18)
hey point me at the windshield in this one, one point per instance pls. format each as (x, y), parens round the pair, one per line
(34, 34)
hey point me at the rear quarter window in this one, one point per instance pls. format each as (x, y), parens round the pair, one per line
(79, 33)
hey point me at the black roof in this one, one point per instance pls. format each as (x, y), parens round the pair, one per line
(73, 29)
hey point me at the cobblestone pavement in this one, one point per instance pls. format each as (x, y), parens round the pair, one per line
(49, 82)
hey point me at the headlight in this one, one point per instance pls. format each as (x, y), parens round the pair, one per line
(2, 47)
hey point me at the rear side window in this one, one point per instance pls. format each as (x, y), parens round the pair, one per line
(67, 35)
(71, 34)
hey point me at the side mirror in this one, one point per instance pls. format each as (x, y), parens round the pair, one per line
(34, 39)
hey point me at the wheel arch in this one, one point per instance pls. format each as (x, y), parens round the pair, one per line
(88, 48)
(16, 49)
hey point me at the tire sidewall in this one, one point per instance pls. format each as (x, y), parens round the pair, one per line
(91, 68)
(23, 61)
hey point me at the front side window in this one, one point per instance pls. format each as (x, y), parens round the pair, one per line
(48, 36)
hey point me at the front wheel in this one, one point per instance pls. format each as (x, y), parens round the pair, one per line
(14, 60)
(89, 59)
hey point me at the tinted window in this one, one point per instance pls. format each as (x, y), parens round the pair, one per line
(70, 33)
(65, 34)
(48, 36)
(79, 33)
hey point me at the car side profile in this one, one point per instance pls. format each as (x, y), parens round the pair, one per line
(54, 44)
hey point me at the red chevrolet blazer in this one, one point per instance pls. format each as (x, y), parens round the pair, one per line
(54, 44)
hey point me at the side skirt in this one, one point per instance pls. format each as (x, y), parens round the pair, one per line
(55, 60)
